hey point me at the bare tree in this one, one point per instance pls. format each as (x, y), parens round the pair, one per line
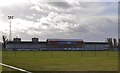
(115, 43)
(4, 41)
(118, 43)
(110, 42)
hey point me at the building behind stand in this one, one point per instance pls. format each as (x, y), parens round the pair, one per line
(55, 44)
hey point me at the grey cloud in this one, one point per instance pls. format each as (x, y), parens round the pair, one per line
(46, 24)
(99, 27)
(81, 29)
(34, 29)
(21, 11)
(63, 5)
(90, 25)
(24, 35)
(103, 27)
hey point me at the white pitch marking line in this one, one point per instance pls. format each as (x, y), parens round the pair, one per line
(15, 68)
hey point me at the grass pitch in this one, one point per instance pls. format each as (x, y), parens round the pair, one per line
(62, 60)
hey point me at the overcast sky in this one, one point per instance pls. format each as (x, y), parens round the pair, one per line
(90, 20)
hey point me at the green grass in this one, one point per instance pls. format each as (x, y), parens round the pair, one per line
(0, 68)
(62, 60)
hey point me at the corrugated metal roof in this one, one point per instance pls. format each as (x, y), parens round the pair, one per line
(25, 42)
(96, 43)
(64, 40)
